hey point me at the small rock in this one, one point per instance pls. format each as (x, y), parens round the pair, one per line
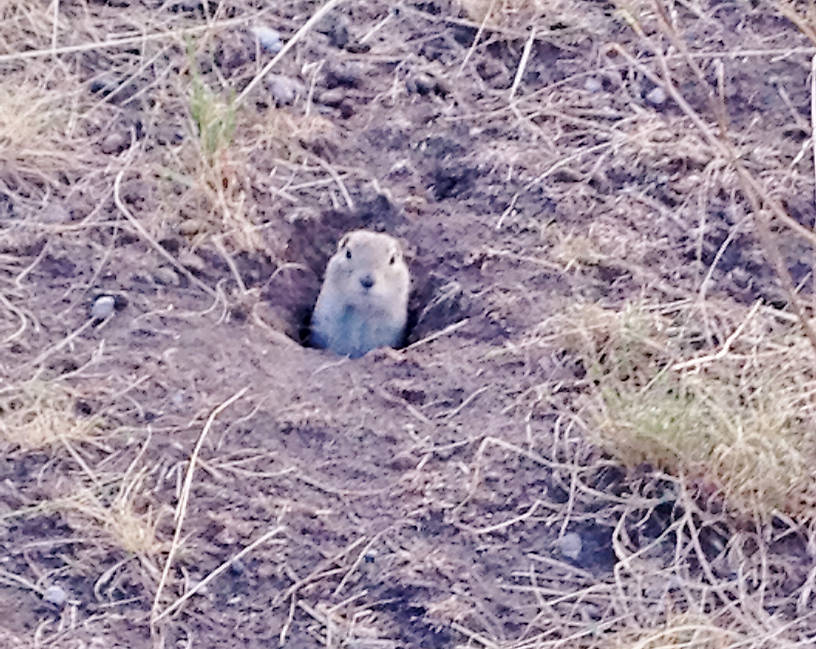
(656, 96)
(358, 48)
(422, 84)
(237, 567)
(190, 227)
(171, 245)
(270, 39)
(165, 276)
(283, 89)
(103, 307)
(570, 545)
(231, 55)
(332, 97)
(345, 74)
(55, 213)
(400, 170)
(104, 84)
(185, 5)
(116, 142)
(55, 595)
(593, 85)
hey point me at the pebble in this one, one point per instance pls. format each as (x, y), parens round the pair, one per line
(166, 276)
(570, 545)
(344, 74)
(104, 84)
(332, 97)
(55, 213)
(190, 226)
(656, 96)
(116, 142)
(284, 90)
(421, 84)
(55, 595)
(103, 306)
(339, 36)
(270, 39)
(593, 85)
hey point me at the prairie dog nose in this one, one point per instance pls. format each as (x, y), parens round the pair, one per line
(367, 281)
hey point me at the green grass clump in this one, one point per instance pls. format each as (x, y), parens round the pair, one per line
(213, 117)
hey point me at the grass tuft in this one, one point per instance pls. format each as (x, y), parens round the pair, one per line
(38, 138)
(123, 521)
(680, 632)
(213, 116)
(37, 414)
(735, 421)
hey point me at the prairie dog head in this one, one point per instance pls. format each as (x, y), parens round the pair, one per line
(368, 270)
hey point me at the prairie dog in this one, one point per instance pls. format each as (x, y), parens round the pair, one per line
(363, 303)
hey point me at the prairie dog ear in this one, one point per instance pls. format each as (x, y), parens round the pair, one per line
(343, 242)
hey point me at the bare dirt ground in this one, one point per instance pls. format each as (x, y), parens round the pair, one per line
(185, 473)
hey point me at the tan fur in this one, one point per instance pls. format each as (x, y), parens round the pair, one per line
(363, 303)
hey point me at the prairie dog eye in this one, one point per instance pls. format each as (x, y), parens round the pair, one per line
(393, 260)
(348, 253)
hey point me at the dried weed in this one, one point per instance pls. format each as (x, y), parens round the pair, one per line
(682, 631)
(123, 520)
(735, 421)
(37, 414)
(39, 136)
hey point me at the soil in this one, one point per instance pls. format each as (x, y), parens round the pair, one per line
(422, 496)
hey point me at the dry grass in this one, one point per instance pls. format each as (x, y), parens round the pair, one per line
(40, 138)
(210, 179)
(211, 171)
(706, 402)
(37, 414)
(45, 416)
(498, 10)
(556, 15)
(734, 419)
(119, 518)
(683, 632)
